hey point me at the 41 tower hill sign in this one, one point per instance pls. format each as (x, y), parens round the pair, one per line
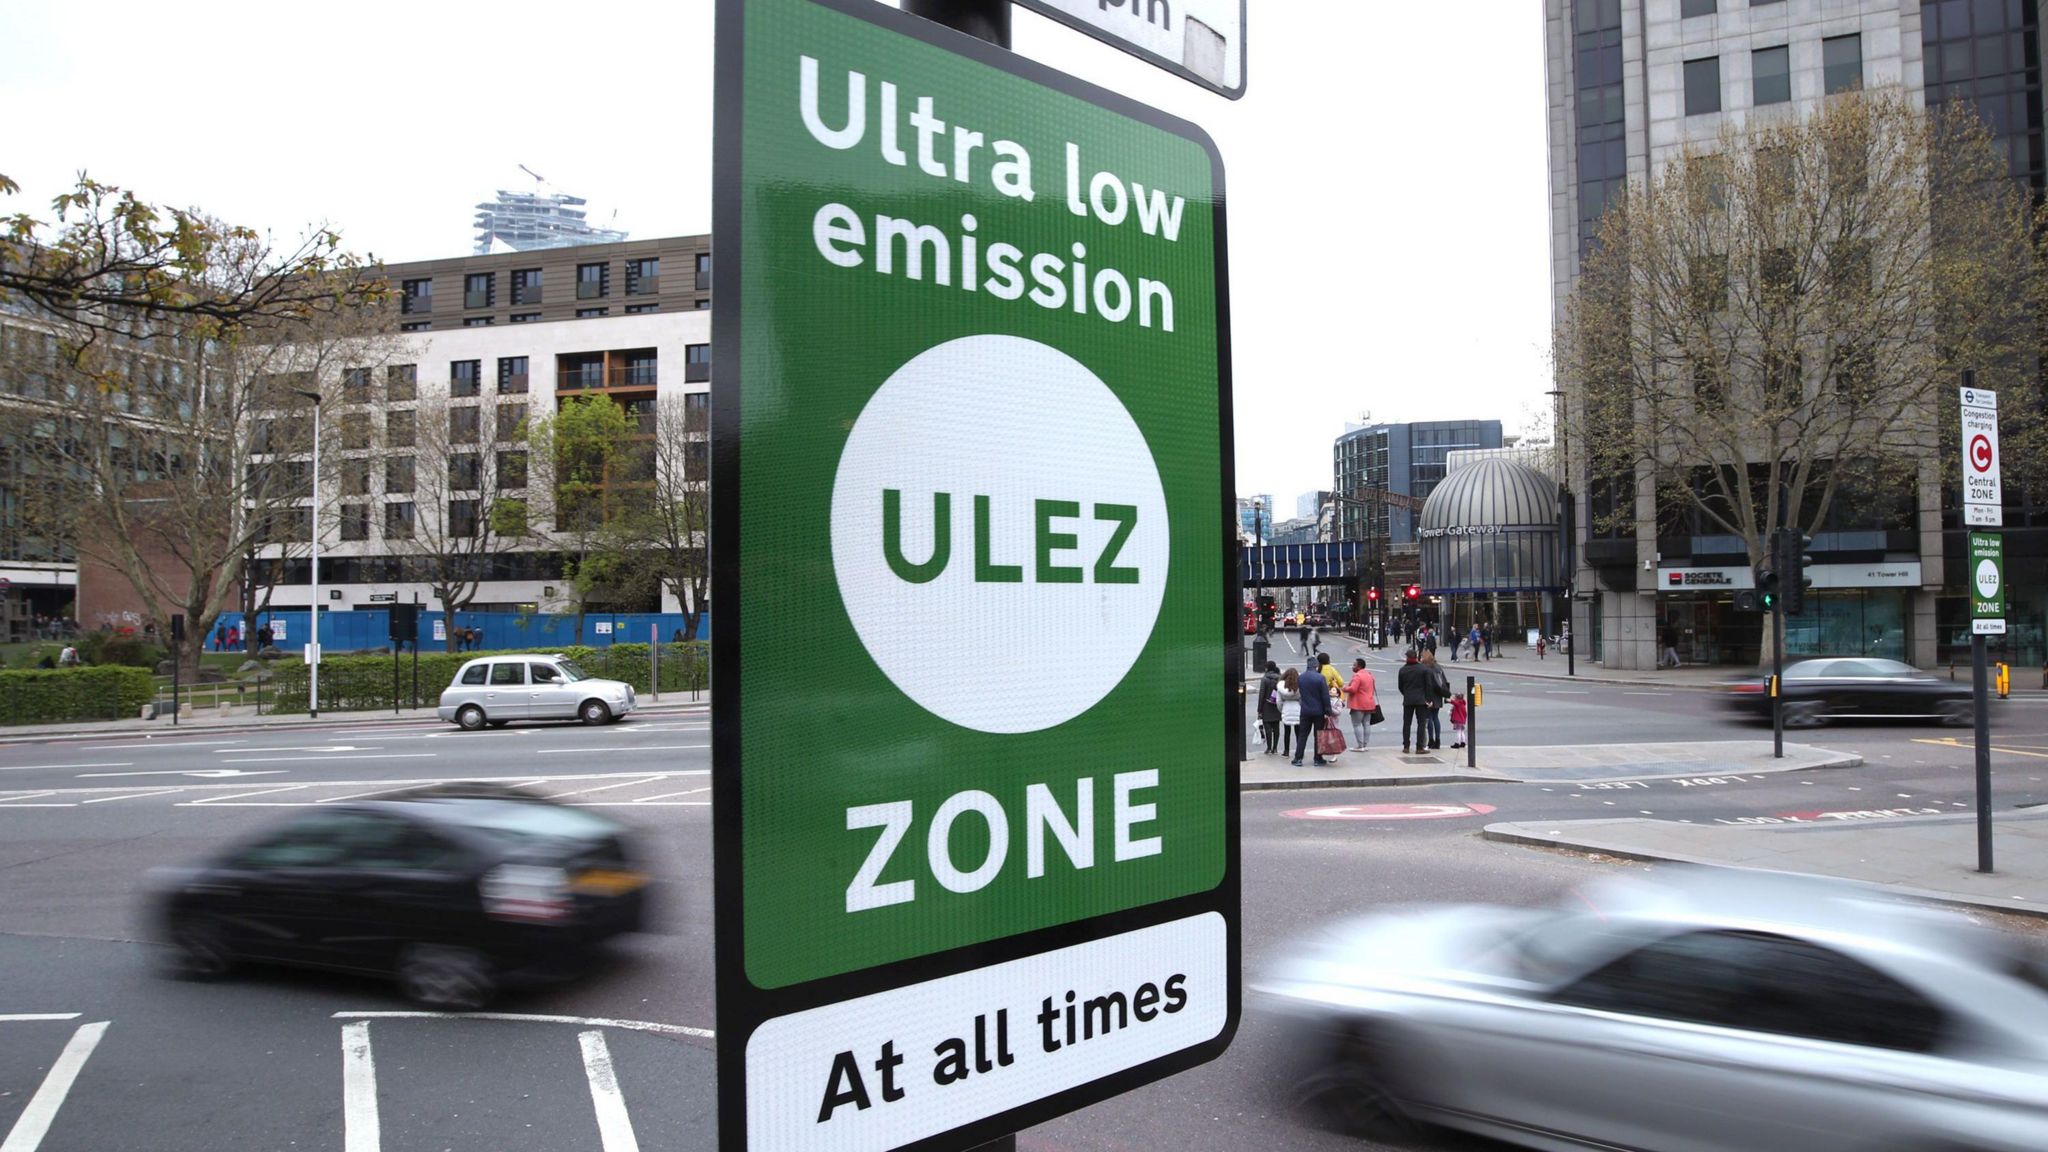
(973, 504)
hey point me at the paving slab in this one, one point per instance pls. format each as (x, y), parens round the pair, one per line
(1928, 857)
(1387, 765)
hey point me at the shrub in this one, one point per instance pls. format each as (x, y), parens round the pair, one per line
(100, 693)
(125, 648)
(359, 683)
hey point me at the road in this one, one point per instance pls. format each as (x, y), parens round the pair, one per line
(623, 1058)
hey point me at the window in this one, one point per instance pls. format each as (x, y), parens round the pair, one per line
(1778, 273)
(1784, 379)
(399, 428)
(1841, 61)
(638, 309)
(697, 460)
(355, 477)
(465, 377)
(355, 430)
(478, 321)
(508, 672)
(1709, 391)
(1687, 9)
(417, 296)
(593, 281)
(1849, 268)
(703, 271)
(642, 367)
(416, 326)
(1709, 283)
(479, 289)
(1771, 75)
(511, 418)
(643, 277)
(696, 411)
(697, 363)
(544, 674)
(355, 383)
(592, 313)
(511, 470)
(463, 425)
(398, 475)
(512, 374)
(465, 471)
(703, 303)
(1854, 368)
(398, 520)
(401, 382)
(462, 522)
(525, 317)
(475, 673)
(1702, 86)
(509, 518)
(526, 286)
(355, 521)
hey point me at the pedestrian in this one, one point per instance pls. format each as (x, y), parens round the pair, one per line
(68, 658)
(1458, 720)
(263, 635)
(1329, 673)
(677, 638)
(1315, 707)
(1269, 707)
(1454, 637)
(1670, 657)
(1477, 642)
(1361, 695)
(1415, 686)
(220, 638)
(234, 637)
(1439, 691)
(1290, 712)
(1540, 645)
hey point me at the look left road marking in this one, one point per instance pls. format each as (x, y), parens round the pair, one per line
(34, 1122)
(360, 1131)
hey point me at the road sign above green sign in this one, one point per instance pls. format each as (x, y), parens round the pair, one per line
(974, 792)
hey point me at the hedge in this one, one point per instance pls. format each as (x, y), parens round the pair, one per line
(360, 683)
(41, 696)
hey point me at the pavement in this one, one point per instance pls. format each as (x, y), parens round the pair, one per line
(1386, 765)
(244, 718)
(1927, 857)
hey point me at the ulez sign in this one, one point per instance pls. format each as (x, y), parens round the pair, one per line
(974, 799)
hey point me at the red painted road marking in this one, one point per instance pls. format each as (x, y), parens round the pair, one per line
(1390, 811)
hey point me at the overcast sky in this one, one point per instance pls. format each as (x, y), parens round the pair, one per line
(1389, 242)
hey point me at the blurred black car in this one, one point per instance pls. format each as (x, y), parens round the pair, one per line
(1862, 687)
(455, 891)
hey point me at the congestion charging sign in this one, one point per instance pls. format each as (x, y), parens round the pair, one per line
(974, 797)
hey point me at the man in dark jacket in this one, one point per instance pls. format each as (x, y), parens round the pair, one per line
(1416, 686)
(1315, 704)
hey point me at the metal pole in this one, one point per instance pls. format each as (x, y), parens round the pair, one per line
(982, 19)
(1471, 722)
(1982, 707)
(415, 652)
(313, 628)
(1778, 682)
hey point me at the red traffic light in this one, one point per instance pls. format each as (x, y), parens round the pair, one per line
(1413, 592)
(1372, 594)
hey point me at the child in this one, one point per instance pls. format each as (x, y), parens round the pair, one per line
(1458, 721)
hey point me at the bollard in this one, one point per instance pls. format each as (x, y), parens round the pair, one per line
(2004, 680)
(1471, 722)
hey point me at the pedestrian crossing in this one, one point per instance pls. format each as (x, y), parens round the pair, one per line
(689, 788)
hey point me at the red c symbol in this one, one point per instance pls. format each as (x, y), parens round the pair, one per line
(1980, 453)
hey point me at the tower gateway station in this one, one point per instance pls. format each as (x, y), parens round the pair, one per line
(1492, 548)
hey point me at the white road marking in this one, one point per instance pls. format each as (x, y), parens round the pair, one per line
(132, 796)
(240, 795)
(305, 748)
(34, 1122)
(29, 1017)
(614, 1126)
(214, 773)
(586, 751)
(333, 759)
(592, 804)
(1643, 693)
(26, 796)
(171, 745)
(1565, 692)
(64, 767)
(666, 795)
(533, 1018)
(603, 787)
(360, 795)
(359, 1127)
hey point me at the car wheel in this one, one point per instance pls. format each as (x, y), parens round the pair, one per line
(471, 718)
(594, 712)
(200, 948)
(1958, 713)
(1804, 714)
(1352, 1092)
(443, 976)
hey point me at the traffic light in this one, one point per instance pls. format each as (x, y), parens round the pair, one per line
(1767, 579)
(1791, 562)
(1372, 596)
(1412, 593)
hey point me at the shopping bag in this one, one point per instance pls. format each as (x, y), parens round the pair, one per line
(1329, 740)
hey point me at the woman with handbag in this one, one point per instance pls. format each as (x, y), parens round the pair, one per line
(1290, 711)
(1361, 695)
(1269, 707)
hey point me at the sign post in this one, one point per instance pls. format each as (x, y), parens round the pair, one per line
(971, 403)
(1983, 506)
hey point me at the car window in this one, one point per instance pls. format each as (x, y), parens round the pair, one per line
(1857, 669)
(572, 672)
(544, 674)
(385, 843)
(310, 842)
(1811, 669)
(474, 674)
(511, 672)
(1760, 982)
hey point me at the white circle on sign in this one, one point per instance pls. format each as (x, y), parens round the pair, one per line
(991, 640)
(1987, 579)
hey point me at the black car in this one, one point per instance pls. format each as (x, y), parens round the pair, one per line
(455, 891)
(1863, 687)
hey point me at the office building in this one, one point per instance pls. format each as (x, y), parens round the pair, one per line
(1630, 84)
(1383, 472)
(532, 221)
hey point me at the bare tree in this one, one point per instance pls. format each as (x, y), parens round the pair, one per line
(672, 532)
(468, 463)
(1776, 323)
(593, 477)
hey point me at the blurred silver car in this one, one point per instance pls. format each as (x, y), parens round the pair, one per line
(496, 690)
(1717, 1011)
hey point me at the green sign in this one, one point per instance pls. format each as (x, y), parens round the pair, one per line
(975, 792)
(1987, 583)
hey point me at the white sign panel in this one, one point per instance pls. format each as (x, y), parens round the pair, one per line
(1983, 503)
(1891, 574)
(440, 630)
(1987, 627)
(276, 630)
(1198, 40)
(604, 627)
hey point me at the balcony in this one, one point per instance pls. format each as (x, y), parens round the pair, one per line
(576, 379)
(697, 372)
(590, 290)
(634, 376)
(526, 294)
(415, 305)
(704, 280)
(476, 299)
(643, 285)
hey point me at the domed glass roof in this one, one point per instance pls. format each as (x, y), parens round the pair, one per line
(1492, 492)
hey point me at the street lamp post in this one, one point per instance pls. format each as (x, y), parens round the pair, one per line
(313, 664)
(1568, 531)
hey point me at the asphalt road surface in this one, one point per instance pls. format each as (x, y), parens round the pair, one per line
(99, 1051)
